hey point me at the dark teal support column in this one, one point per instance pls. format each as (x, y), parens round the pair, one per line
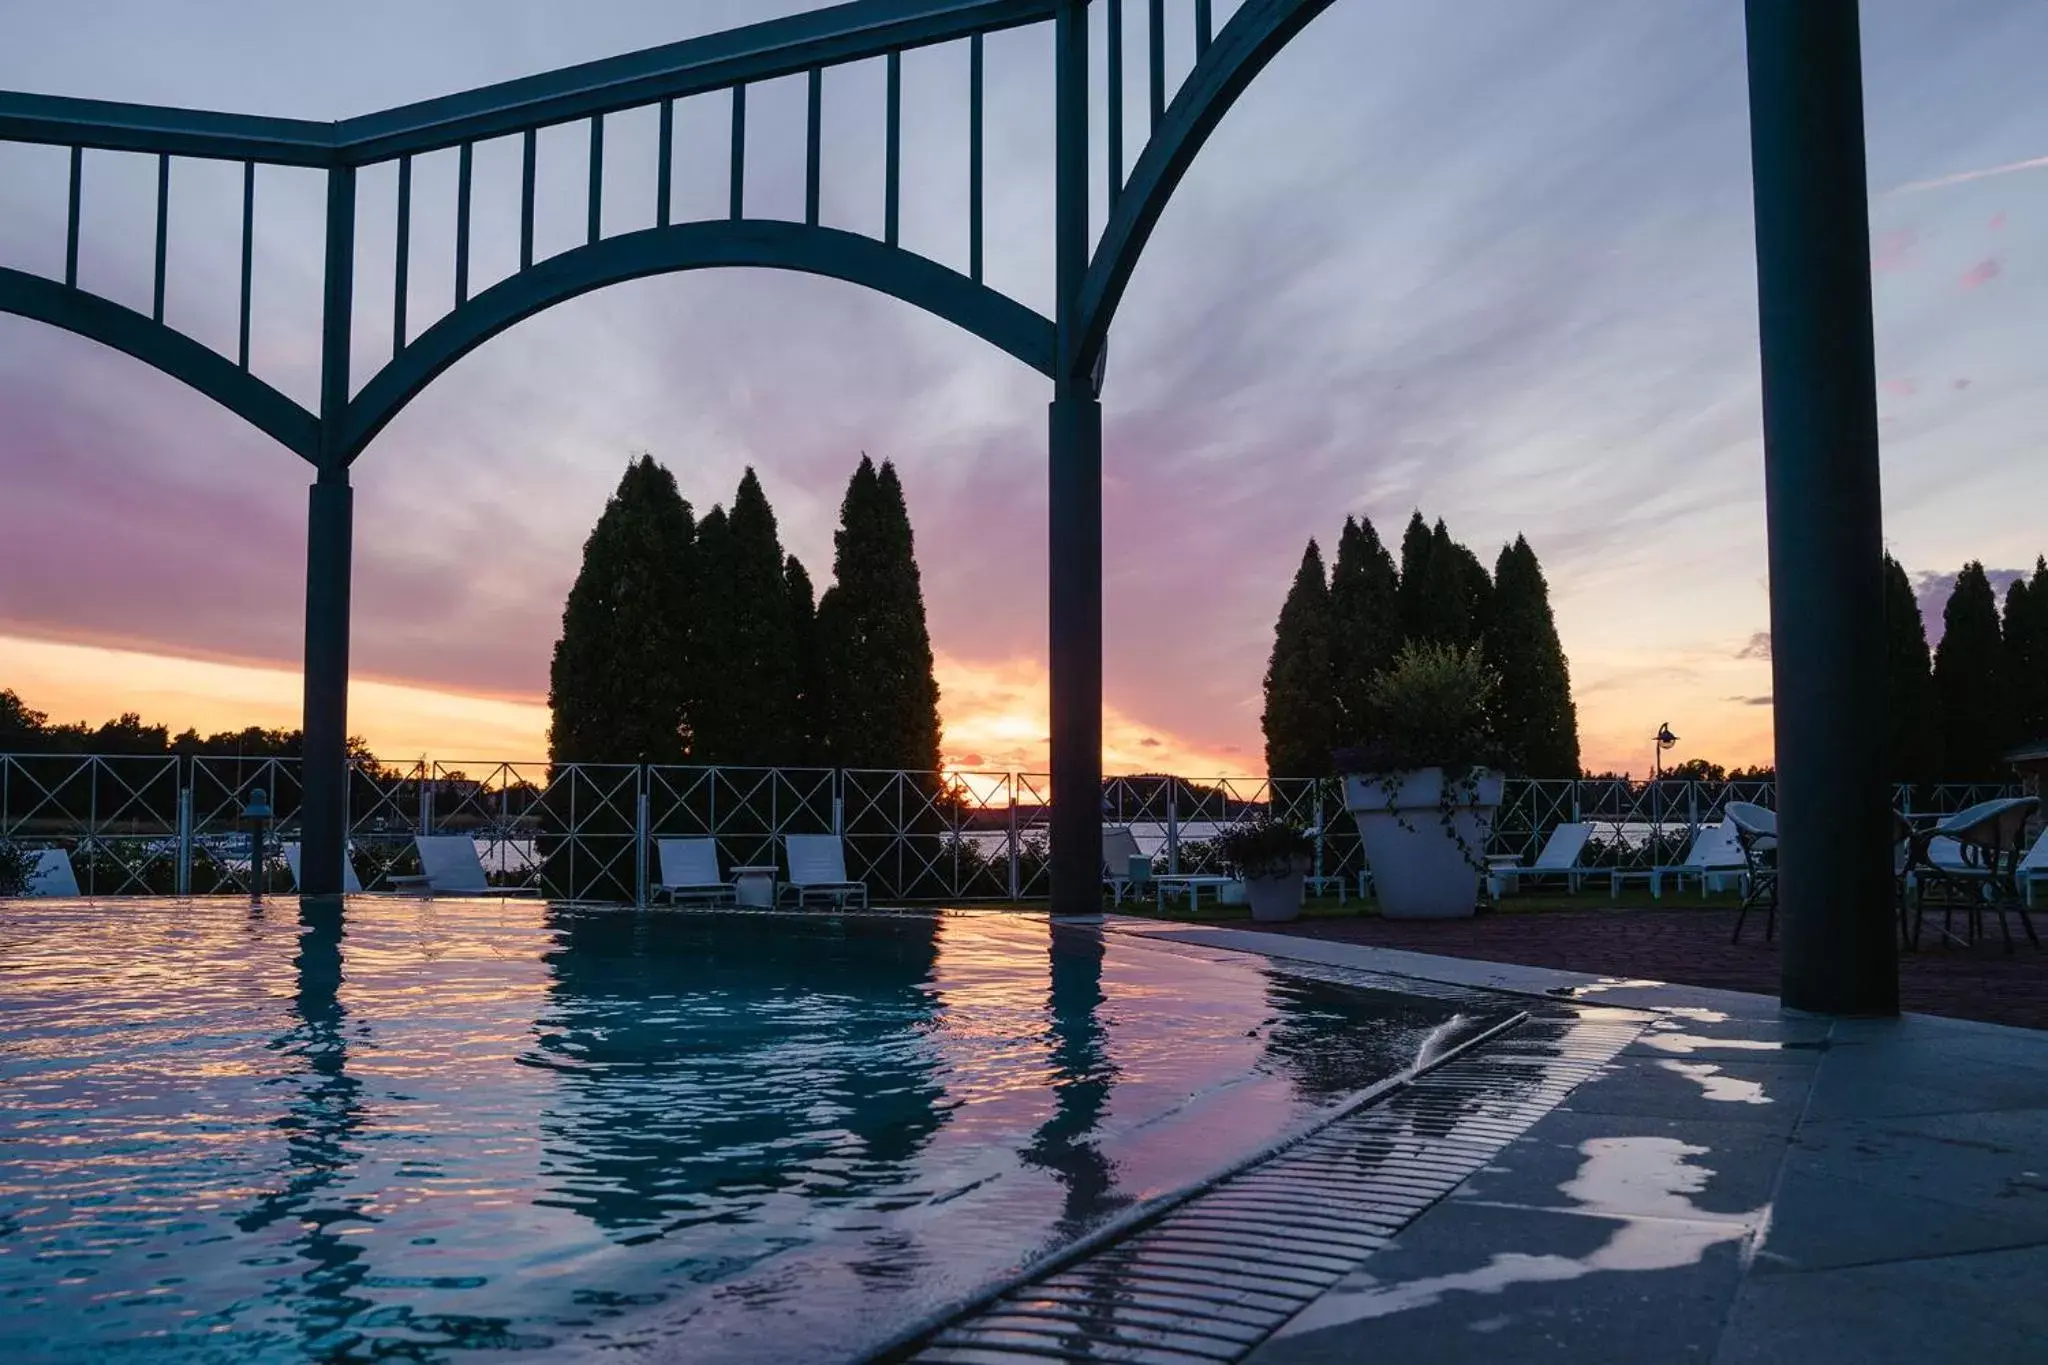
(329, 550)
(1840, 952)
(1074, 487)
(1075, 552)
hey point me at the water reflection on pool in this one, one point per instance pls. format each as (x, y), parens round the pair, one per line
(421, 1129)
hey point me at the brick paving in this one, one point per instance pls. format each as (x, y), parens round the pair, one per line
(1691, 946)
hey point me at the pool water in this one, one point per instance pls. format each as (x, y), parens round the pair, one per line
(439, 1130)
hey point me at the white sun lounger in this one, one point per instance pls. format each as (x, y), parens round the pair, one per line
(817, 867)
(350, 883)
(51, 875)
(1716, 854)
(1558, 858)
(449, 867)
(689, 870)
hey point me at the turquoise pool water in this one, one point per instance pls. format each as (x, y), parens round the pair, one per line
(446, 1130)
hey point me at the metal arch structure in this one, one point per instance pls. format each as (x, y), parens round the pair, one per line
(1820, 457)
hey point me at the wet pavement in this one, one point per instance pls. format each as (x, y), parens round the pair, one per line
(1736, 1185)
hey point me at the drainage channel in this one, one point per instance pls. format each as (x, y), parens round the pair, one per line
(1212, 1277)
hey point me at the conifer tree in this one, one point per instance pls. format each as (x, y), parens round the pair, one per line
(2026, 654)
(749, 714)
(619, 684)
(1299, 707)
(1538, 723)
(1914, 728)
(1365, 625)
(1969, 681)
(874, 648)
(1417, 619)
(803, 624)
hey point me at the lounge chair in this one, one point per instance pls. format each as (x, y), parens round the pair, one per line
(1716, 854)
(51, 875)
(817, 867)
(1971, 862)
(689, 869)
(449, 867)
(2033, 869)
(1124, 866)
(350, 883)
(1559, 858)
(1756, 835)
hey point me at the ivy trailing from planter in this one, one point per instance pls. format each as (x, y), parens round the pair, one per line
(1264, 847)
(1433, 707)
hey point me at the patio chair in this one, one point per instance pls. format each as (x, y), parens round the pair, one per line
(1124, 866)
(51, 875)
(449, 867)
(1756, 834)
(689, 868)
(1970, 862)
(1559, 857)
(817, 866)
(350, 883)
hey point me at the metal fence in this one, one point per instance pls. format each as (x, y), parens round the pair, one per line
(172, 825)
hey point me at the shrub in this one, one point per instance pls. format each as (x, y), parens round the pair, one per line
(15, 862)
(1265, 847)
(1434, 708)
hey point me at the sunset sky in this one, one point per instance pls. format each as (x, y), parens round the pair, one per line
(1492, 260)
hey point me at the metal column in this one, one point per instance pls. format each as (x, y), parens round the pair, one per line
(1075, 494)
(1840, 953)
(329, 538)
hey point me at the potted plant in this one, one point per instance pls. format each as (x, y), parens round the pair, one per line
(1271, 858)
(1425, 787)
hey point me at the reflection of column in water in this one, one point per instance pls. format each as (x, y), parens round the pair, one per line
(1083, 1077)
(318, 1128)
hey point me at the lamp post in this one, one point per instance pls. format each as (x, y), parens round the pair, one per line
(256, 812)
(1663, 740)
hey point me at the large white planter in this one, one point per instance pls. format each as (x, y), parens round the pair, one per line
(1274, 900)
(1419, 871)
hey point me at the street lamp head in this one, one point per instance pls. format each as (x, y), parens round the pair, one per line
(258, 806)
(1665, 739)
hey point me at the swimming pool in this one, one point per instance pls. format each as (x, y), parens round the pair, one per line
(437, 1129)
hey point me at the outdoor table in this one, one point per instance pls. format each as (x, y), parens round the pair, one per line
(754, 886)
(1192, 886)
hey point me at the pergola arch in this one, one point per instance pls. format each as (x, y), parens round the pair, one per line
(975, 308)
(1813, 254)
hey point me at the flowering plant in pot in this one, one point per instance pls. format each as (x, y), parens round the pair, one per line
(1425, 786)
(1272, 858)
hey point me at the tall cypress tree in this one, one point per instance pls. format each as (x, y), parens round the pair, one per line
(1969, 681)
(619, 686)
(2026, 655)
(1418, 620)
(874, 648)
(1538, 722)
(1914, 736)
(750, 711)
(1365, 624)
(1299, 707)
(803, 625)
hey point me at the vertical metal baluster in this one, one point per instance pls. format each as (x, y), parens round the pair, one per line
(664, 171)
(1203, 28)
(813, 134)
(596, 179)
(401, 263)
(739, 152)
(892, 175)
(71, 224)
(248, 250)
(462, 177)
(1157, 37)
(1116, 102)
(526, 203)
(974, 159)
(163, 229)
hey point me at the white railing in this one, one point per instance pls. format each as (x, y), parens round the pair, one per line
(172, 824)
